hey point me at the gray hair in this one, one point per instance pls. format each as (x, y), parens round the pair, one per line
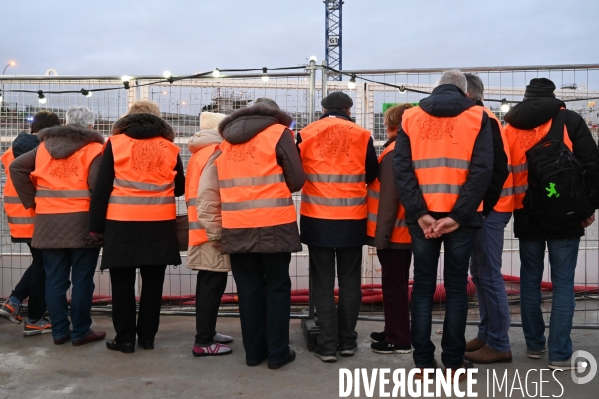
(454, 77)
(267, 102)
(80, 116)
(476, 88)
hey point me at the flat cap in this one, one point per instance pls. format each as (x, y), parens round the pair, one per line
(337, 100)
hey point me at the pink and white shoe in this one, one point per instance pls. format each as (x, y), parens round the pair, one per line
(215, 349)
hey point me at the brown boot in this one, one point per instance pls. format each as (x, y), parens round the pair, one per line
(418, 376)
(474, 345)
(465, 365)
(486, 355)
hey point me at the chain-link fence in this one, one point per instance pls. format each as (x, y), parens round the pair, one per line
(299, 94)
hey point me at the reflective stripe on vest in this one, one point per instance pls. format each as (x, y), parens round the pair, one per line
(20, 220)
(520, 141)
(62, 183)
(506, 198)
(143, 187)
(333, 152)
(251, 183)
(195, 167)
(441, 153)
(400, 233)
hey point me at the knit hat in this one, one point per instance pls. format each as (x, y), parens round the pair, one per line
(337, 100)
(210, 120)
(540, 87)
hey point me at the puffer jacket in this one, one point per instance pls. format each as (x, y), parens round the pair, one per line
(60, 230)
(206, 256)
(238, 128)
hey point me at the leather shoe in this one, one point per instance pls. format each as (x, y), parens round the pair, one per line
(487, 355)
(127, 347)
(278, 365)
(433, 366)
(91, 336)
(62, 340)
(257, 362)
(474, 345)
(465, 365)
(147, 345)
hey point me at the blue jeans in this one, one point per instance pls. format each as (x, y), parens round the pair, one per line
(490, 288)
(458, 248)
(563, 255)
(57, 263)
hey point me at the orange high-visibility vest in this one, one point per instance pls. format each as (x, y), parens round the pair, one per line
(520, 141)
(333, 153)
(506, 199)
(197, 162)
(400, 233)
(144, 182)
(20, 220)
(61, 184)
(441, 153)
(252, 185)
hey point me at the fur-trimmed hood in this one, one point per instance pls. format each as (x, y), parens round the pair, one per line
(242, 125)
(202, 139)
(143, 126)
(62, 141)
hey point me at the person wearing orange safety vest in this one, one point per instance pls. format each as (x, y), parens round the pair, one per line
(205, 225)
(134, 210)
(57, 180)
(443, 165)
(388, 232)
(339, 159)
(538, 116)
(492, 343)
(20, 222)
(258, 170)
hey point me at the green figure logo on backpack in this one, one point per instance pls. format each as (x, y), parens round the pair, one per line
(551, 191)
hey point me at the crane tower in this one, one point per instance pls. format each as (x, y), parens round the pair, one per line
(333, 42)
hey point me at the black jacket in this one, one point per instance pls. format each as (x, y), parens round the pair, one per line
(533, 112)
(446, 101)
(500, 169)
(343, 233)
(134, 244)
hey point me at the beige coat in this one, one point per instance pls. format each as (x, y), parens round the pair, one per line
(206, 256)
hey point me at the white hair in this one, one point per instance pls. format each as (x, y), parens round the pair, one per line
(454, 77)
(80, 116)
(476, 88)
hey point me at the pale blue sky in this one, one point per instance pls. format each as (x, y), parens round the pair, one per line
(116, 37)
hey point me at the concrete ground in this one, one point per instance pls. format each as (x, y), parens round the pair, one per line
(35, 368)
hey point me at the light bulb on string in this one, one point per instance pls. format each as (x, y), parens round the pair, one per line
(264, 75)
(352, 82)
(125, 79)
(167, 74)
(0, 96)
(41, 98)
(216, 73)
(402, 89)
(505, 106)
(313, 58)
(86, 93)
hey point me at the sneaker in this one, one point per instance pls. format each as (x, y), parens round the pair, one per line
(385, 347)
(378, 336)
(215, 349)
(536, 354)
(42, 326)
(10, 311)
(348, 351)
(325, 356)
(222, 338)
(566, 365)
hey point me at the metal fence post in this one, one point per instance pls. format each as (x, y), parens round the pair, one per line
(325, 78)
(312, 69)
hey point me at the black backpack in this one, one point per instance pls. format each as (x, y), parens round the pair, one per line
(557, 195)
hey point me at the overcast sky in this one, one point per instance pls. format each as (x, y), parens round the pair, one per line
(116, 37)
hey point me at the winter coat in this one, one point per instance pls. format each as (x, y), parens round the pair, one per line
(447, 101)
(533, 112)
(60, 230)
(344, 233)
(134, 244)
(239, 128)
(206, 256)
(388, 205)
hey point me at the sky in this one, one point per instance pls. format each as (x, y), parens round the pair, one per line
(146, 37)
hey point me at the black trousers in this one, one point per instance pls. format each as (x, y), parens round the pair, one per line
(264, 290)
(123, 302)
(209, 291)
(337, 324)
(33, 285)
